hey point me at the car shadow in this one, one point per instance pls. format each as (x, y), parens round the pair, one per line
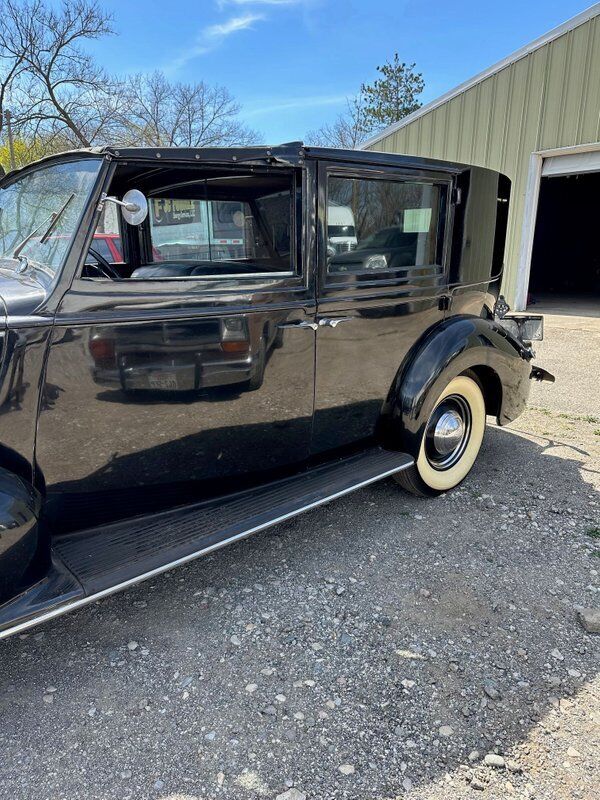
(430, 629)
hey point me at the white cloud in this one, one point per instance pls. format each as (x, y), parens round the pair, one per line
(223, 3)
(212, 36)
(220, 30)
(264, 106)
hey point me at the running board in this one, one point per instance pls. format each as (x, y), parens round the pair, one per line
(112, 557)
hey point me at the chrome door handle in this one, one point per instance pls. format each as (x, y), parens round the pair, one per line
(301, 323)
(331, 322)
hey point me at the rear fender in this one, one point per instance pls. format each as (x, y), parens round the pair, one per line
(447, 350)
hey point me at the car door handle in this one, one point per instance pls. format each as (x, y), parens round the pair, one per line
(300, 323)
(331, 322)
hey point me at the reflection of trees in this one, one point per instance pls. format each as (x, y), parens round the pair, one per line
(27, 202)
(378, 204)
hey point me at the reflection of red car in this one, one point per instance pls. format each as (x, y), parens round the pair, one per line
(108, 245)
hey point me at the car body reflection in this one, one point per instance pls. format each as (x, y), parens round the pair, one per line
(389, 248)
(183, 356)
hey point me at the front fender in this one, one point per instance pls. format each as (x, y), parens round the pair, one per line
(447, 350)
(24, 551)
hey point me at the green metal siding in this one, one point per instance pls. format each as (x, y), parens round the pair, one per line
(548, 98)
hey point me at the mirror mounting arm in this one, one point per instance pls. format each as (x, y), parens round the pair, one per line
(105, 198)
(134, 205)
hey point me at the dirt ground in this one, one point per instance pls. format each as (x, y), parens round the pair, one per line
(380, 647)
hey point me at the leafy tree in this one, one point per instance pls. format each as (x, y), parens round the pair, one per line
(376, 106)
(27, 150)
(394, 95)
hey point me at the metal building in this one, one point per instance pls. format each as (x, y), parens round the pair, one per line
(535, 116)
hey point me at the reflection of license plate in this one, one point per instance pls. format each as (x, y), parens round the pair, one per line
(163, 380)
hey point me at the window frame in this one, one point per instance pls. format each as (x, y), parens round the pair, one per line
(365, 279)
(136, 243)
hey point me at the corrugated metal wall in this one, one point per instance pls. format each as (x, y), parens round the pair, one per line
(549, 98)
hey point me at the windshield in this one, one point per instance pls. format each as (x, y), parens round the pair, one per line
(52, 200)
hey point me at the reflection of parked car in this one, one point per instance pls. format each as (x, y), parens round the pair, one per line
(185, 358)
(341, 230)
(389, 248)
(108, 412)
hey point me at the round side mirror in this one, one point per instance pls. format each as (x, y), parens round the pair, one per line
(134, 207)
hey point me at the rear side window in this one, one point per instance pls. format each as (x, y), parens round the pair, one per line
(375, 225)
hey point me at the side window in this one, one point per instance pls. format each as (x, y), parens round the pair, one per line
(375, 225)
(225, 225)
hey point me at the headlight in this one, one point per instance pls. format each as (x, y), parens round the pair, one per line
(376, 262)
(233, 329)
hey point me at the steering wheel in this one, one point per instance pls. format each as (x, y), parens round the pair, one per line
(105, 267)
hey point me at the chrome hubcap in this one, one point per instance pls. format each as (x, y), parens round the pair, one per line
(448, 432)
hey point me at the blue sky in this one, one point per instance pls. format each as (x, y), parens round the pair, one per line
(291, 63)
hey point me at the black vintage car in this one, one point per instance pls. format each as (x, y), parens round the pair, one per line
(238, 360)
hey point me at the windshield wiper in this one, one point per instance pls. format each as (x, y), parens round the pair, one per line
(50, 221)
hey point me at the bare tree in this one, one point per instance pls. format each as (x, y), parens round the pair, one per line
(61, 98)
(164, 114)
(60, 92)
(12, 61)
(348, 130)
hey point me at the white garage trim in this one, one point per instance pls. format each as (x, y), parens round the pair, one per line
(574, 164)
(561, 161)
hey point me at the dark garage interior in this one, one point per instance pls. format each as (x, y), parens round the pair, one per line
(565, 261)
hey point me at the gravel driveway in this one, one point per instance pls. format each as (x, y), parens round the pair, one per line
(379, 647)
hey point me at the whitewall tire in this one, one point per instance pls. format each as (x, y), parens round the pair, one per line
(451, 441)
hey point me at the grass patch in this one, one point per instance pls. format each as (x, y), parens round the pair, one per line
(594, 533)
(564, 415)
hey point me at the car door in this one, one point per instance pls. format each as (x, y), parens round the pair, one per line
(382, 283)
(161, 392)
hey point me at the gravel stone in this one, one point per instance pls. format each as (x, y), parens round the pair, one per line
(494, 760)
(491, 690)
(589, 619)
(346, 769)
(291, 794)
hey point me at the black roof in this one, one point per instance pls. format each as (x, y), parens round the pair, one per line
(291, 153)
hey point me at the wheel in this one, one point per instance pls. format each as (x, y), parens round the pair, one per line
(258, 367)
(451, 442)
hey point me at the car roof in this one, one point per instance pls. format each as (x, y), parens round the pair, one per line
(290, 153)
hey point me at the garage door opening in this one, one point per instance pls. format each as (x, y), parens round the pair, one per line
(565, 262)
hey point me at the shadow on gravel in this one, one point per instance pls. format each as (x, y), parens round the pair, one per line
(384, 632)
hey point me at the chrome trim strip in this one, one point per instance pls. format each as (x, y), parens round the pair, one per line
(72, 606)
